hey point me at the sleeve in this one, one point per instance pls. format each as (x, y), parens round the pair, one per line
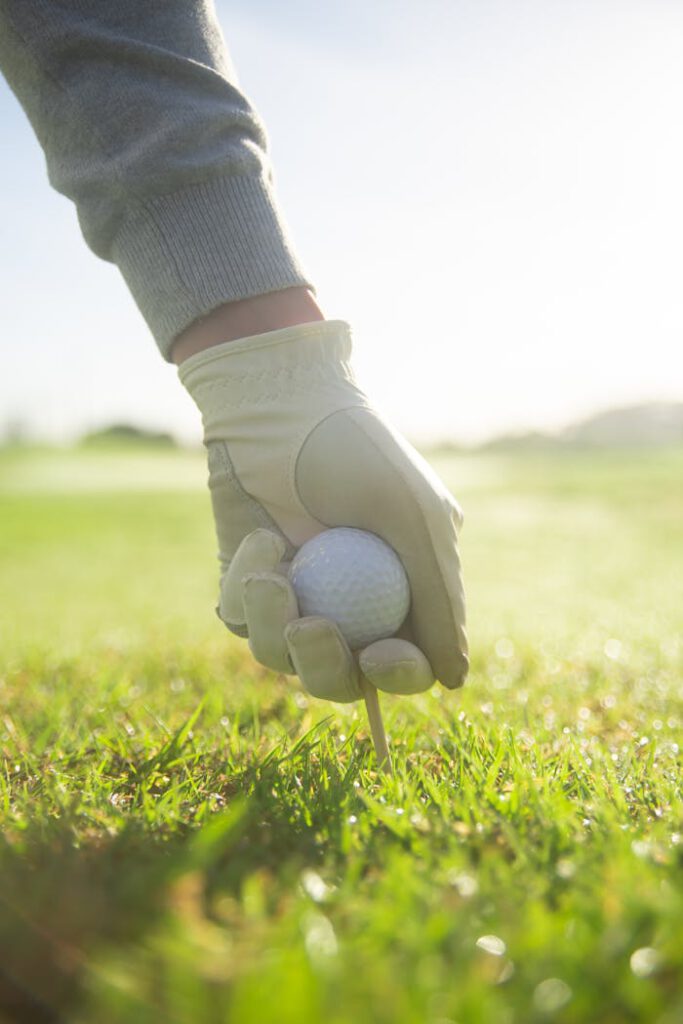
(138, 111)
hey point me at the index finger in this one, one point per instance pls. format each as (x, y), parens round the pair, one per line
(260, 551)
(354, 471)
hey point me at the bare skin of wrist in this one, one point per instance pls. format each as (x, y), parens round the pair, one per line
(241, 319)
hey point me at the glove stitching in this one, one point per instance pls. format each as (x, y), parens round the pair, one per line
(252, 388)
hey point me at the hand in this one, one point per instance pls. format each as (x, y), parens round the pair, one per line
(295, 448)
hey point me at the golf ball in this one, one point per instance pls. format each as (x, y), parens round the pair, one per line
(355, 579)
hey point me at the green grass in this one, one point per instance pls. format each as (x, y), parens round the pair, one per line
(187, 837)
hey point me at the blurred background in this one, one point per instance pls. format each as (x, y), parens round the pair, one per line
(489, 192)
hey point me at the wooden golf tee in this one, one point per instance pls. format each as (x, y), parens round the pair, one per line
(379, 737)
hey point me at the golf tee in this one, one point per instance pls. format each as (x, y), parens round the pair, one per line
(376, 726)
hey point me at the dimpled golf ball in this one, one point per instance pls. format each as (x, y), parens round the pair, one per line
(353, 578)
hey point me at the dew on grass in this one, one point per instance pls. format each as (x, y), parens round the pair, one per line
(506, 973)
(465, 884)
(491, 944)
(319, 937)
(612, 649)
(644, 961)
(565, 868)
(505, 647)
(669, 647)
(314, 886)
(551, 995)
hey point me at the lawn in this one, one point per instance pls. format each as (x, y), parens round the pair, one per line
(189, 838)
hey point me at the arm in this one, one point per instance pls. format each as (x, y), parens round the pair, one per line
(137, 107)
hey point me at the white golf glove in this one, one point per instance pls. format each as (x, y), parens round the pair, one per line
(295, 448)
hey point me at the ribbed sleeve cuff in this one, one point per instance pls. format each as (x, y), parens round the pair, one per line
(185, 253)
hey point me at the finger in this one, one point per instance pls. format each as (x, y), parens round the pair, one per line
(396, 666)
(322, 659)
(437, 617)
(260, 551)
(269, 604)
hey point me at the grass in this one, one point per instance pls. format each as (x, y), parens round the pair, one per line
(187, 837)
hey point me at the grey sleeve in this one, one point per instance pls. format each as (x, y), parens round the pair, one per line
(137, 108)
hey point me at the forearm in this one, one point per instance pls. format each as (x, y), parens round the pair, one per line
(137, 108)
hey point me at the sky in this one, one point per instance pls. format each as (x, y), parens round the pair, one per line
(489, 191)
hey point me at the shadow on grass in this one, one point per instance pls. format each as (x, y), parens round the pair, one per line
(59, 899)
(65, 894)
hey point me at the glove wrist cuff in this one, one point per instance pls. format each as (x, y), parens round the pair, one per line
(293, 366)
(278, 348)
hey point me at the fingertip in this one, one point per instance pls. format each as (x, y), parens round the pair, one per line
(260, 551)
(396, 666)
(455, 672)
(269, 604)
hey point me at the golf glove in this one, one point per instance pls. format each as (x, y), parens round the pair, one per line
(294, 448)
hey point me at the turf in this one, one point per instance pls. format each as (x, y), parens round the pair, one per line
(187, 837)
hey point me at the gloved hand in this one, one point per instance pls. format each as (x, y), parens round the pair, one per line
(295, 448)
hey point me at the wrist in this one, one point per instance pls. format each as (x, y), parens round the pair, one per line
(246, 318)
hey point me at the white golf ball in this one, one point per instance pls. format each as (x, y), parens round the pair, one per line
(355, 579)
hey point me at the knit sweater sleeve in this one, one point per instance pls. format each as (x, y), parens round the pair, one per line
(143, 125)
